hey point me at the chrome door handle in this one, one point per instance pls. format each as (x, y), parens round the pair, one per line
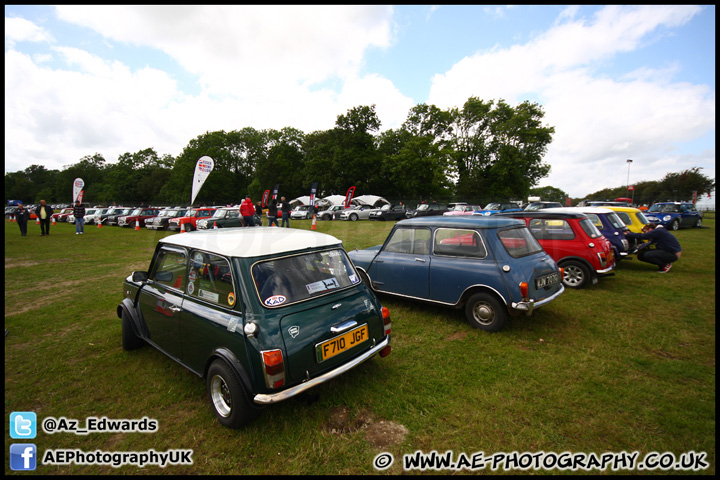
(420, 260)
(175, 308)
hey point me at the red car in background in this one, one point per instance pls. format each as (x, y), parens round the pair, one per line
(138, 215)
(574, 242)
(62, 215)
(189, 221)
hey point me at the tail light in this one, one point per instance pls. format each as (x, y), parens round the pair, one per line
(386, 320)
(603, 256)
(524, 289)
(273, 368)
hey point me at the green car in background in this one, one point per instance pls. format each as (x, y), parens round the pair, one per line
(262, 314)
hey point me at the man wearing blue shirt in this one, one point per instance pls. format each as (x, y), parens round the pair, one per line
(668, 248)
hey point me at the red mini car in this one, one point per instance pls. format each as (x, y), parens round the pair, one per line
(574, 242)
(139, 215)
(189, 221)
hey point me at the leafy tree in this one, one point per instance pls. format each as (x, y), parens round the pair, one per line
(550, 194)
(499, 151)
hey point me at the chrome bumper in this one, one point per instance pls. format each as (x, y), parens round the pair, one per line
(267, 398)
(530, 305)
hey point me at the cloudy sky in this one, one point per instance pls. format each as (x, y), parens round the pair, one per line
(616, 82)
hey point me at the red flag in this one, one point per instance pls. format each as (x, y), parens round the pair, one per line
(349, 196)
(266, 195)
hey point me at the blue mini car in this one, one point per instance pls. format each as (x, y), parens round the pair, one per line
(497, 207)
(673, 215)
(492, 267)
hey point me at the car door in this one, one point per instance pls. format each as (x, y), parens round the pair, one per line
(161, 299)
(210, 318)
(689, 216)
(403, 265)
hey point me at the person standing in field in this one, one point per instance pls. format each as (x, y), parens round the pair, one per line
(247, 210)
(21, 217)
(285, 209)
(79, 214)
(272, 213)
(44, 213)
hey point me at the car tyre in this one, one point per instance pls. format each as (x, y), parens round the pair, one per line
(576, 274)
(227, 396)
(485, 312)
(353, 217)
(675, 225)
(698, 224)
(130, 341)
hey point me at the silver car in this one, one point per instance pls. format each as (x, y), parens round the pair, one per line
(357, 212)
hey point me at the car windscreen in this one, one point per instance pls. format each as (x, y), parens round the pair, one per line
(519, 242)
(287, 280)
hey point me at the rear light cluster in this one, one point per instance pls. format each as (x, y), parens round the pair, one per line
(606, 258)
(387, 324)
(524, 289)
(273, 368)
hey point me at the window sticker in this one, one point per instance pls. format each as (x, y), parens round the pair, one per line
(231, 299)
(207, 295)
(191, 288)
(354, 279)
(275, 300)
(192, 276)
(322, 285)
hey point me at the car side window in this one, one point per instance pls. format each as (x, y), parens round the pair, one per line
(458, 243)
(210, 279)
(410, 241)
(595, 220)
(551, 229)
(169, 268)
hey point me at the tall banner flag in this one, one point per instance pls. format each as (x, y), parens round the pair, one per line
(202, 169)
(78, 185)
(275, 191)
(266, 194)
(349, 196)
(313, 191)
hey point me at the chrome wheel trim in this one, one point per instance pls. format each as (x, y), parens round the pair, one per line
(573, 275)
(220, 396)
(483, 313)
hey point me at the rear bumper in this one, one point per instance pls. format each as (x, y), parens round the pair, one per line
(268, 398)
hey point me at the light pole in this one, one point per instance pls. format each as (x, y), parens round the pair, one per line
(627, 185)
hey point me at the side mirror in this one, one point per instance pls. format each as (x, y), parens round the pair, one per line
(139, 276)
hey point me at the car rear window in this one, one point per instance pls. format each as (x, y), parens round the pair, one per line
(287, 280)
(519, 242)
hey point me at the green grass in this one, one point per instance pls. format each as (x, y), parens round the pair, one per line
(626, 365)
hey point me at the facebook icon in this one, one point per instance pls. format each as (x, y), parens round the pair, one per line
(23, 456)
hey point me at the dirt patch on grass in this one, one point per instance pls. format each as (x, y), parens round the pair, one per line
(379, 433)
(457, 336)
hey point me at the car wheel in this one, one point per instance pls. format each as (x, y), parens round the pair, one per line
(675, 225)
(130, 341)
(227, 396)
(698, 224)
(353, 217)
(576, 274)
(485, 312)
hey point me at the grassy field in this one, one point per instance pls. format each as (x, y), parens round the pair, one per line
(626, 365)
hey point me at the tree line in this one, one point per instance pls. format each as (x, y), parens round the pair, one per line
(482, 152)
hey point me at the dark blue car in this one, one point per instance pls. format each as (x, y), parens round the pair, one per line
(497, 207)
(673, 215)
(492, 267)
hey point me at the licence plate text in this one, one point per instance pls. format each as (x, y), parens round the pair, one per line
(547, 280)
(342, 343)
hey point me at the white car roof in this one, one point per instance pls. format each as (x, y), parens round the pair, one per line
(579, 209)
(252, 241)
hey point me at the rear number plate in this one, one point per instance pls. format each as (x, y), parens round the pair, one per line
(547, 280)
(342, 343)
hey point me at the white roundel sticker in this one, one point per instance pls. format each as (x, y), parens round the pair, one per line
(275, 300)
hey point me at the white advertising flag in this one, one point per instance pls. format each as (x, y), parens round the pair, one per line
(78, 185)
(202, 170)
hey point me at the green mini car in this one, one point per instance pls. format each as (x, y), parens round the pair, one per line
(262, 314)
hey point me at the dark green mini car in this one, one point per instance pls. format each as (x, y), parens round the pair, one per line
(262, 314)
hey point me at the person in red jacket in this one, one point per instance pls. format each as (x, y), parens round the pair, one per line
(247, 210)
